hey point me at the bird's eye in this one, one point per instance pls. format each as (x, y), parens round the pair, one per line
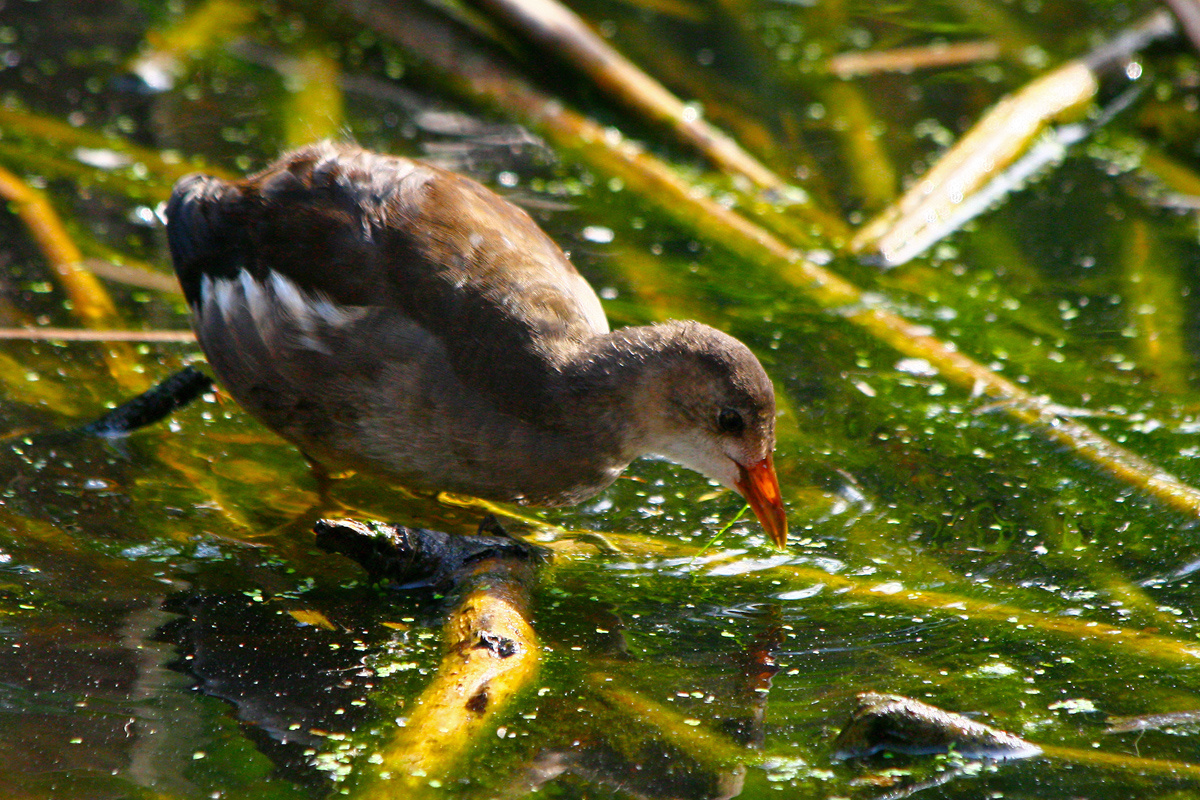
(730, 421)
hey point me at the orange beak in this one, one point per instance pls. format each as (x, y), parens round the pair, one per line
(760, 487)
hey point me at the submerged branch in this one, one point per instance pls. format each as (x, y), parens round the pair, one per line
(884, 722)
(491, 651)
(870, 164)
(898, 724)
(1159, 316)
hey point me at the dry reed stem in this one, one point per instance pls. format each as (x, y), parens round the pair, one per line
(90, 302)
(168, 165)
(1121, 761)
(993, 143)
(1188, 14)
(713, 750)
(90, 335)
(1143, 645)
(997, 140)
(205, 28)
(908, 59)
(561, 32)
(314, 106)
(134, 275)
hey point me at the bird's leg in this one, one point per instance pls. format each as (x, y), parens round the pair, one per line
(490, 526)
(321, 475)
(325, 482)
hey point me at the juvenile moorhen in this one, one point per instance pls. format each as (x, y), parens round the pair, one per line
(390, 316)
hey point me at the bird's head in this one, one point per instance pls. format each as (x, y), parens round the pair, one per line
(715, 413)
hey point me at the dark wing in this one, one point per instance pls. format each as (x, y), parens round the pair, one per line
(365, 230)
(202, 237)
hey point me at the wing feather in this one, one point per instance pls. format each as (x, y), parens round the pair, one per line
(353, 229)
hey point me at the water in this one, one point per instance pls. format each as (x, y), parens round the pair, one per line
(168, 629)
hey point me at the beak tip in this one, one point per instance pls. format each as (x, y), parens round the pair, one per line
(777, 527)
(760, 486)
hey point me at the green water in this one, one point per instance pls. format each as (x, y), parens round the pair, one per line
(157, 593)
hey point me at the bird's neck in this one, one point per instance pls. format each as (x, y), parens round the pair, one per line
(613, 384)
(595, 411)
(586, 421)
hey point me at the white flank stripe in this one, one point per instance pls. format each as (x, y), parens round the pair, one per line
(291, 301)
(274, 307)
(224, 298)
(256, 300)
(206, 291)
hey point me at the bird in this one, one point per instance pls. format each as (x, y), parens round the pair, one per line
(391, 317)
